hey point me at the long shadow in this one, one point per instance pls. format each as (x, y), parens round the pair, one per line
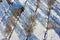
(41, 19)
(57, 30)
(55, 20)
(33, 37)
(31, 10)
(20, 33)
(33, 2)
(43, 9)
(56, 10)
(15, 5)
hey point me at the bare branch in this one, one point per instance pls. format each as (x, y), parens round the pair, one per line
(38, 3)
(50, 3)
(51, 25)
(30, 25)
(0, 0)
(17, 12)
(9, 2)
(9, 24)
(11, 21)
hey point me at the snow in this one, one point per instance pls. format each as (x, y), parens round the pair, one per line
(14, 36)
(41, 22)
(52, 35)
(39, 31)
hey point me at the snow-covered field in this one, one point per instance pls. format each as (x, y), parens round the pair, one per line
(41, 22)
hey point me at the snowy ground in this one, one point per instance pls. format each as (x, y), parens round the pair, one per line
(40, 28)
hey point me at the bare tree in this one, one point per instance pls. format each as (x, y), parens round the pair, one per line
(0, 0)
(50, 3)
(50, 25)
(11, 21)
(9, 2)
(38, 4)
(30, 25)
(17, 11)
